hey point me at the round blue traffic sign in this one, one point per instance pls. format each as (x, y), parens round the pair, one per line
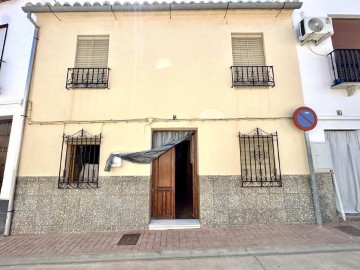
(305, 118)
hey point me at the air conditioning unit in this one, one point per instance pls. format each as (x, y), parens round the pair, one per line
(315, 29)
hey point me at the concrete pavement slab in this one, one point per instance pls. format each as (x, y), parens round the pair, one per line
(317, 248)
(233, 251)
(258, 250)
(260, 240)
(232, 263)
(349, 260)
(186, 253)
(305, 248)
(204, 253)
(254, 251)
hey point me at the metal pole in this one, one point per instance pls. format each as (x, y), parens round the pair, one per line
(315, 194)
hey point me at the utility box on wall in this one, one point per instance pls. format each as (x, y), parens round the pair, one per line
(321, 156)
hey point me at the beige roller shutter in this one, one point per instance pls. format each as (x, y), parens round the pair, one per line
(92, 52)
(346, 33)
(248, 50)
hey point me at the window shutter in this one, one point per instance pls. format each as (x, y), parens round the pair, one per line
(92, 52)
(248, 50)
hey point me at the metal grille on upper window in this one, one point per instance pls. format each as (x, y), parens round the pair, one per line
(249, 67)
(91, 62)
(79, 162)
(3, 34)
(259, 158)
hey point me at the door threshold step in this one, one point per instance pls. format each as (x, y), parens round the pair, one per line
(352, 216)
(173, 224)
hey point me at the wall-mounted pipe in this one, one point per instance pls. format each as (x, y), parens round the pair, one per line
(22, 124)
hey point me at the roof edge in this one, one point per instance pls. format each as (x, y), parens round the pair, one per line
(155, 6)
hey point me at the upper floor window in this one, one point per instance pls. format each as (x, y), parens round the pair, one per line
(249, 67)
(248, 50)
(91, 63)
(92, 52)
(346, 33)
(3, 32)
(345, 59)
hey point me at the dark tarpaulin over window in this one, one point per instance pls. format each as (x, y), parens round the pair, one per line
(162, 142)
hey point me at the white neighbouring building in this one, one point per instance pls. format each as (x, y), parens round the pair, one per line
(330, 76)
(16, 37)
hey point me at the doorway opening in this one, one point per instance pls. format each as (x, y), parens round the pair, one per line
(183, 181)
(174, 180)
(5, 129)
(345, 155)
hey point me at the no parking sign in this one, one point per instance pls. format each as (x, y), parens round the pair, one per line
(305, 118)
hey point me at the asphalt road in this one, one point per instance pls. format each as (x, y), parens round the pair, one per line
(344, 260)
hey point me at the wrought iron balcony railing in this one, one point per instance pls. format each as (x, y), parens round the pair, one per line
(345, 65)
(87, 78)
(252, 76)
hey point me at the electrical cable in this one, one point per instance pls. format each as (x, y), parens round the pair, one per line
(312, 50)
(151, 119)
(280, 10)
(48, 5)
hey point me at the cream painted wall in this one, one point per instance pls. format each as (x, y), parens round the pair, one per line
(198, 54)
(161, 67)
(218, 145)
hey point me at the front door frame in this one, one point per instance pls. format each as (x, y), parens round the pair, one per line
(194, 152)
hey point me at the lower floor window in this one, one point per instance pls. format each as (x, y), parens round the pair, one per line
(79, 165)
(259, 158)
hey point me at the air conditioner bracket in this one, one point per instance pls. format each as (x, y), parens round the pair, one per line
(308, 38)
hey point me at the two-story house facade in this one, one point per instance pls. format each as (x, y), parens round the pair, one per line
(16, 36)
(330, 75)
(179, 112)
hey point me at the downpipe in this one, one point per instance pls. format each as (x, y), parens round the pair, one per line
(22, 124)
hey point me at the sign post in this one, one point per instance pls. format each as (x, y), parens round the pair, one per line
(306, 119)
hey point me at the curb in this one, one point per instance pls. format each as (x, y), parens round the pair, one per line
(181, 254)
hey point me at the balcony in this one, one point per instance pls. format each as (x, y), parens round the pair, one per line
(345, 67)
(249, 76)
(87, 78)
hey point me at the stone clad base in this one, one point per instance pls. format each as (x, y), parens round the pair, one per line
(3, 213)
(327, 197)
(120, 203)
(123, 203)
(223, 202)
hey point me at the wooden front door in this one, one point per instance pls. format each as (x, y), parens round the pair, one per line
(5, 128)
(163, 186)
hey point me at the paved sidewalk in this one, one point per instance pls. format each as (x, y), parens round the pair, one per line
(276, 239)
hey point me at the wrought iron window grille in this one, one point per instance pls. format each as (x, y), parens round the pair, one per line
(79, 161)
(260, 159)
(87, 78)
(3, 41)
(249, 76)
(345, 65)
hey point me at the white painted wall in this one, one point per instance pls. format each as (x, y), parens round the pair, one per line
(13, 75)
(17, 51)
(316, 74)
